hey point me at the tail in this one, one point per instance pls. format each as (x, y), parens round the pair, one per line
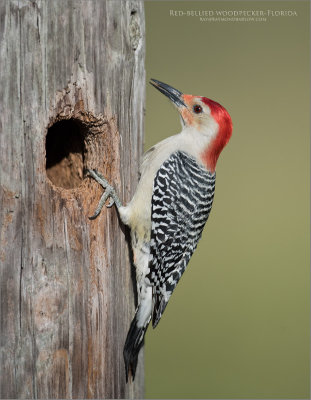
(133, 343)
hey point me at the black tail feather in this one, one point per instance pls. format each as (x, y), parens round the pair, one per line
(133, 344)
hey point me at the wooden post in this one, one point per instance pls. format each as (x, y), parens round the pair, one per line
(72, 85)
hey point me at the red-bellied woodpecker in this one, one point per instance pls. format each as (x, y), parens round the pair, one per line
(169, 209)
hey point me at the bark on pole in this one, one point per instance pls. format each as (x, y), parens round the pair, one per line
(71, 96)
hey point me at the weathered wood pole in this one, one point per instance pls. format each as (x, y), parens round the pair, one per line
(71, 97)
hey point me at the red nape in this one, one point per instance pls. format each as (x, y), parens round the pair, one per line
(222, 117)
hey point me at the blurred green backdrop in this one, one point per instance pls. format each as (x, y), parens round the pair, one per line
(237, 325)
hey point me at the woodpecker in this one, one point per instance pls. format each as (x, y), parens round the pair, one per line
(170, 207)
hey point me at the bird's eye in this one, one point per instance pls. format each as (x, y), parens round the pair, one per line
(197, 109)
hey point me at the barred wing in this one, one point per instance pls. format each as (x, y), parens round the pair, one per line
(182, 198)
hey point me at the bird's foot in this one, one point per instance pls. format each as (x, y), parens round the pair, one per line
(109, 192)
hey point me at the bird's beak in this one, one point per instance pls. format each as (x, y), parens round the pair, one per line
(173, 94)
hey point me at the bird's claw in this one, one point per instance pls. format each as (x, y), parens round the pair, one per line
(109, 192)
(111, 203)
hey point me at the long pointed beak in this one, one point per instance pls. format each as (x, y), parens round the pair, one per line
(173, 94)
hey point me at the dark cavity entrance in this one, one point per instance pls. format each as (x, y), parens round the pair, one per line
(65, 153)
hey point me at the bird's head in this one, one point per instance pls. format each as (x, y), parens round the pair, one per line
(204, 115)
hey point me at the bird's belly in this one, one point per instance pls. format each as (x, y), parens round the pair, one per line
(141, 260)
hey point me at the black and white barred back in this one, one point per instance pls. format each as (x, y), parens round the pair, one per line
(182, 199)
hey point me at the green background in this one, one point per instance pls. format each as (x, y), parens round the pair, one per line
(237, 325)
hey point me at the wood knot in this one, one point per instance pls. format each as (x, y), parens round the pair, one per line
(135, 32)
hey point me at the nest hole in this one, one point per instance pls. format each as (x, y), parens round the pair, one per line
(65, 151)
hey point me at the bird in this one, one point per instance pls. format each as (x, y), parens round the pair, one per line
(170, 207)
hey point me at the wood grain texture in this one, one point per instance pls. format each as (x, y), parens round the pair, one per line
(66, 282)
